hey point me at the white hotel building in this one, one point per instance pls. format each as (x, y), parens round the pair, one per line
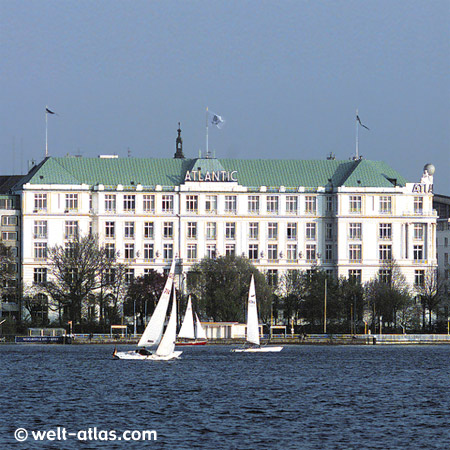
(348, 217)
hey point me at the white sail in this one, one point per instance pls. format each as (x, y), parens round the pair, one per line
(153, 332)
(167, 345)
(252, 316)
(187, 327)
(201, 333)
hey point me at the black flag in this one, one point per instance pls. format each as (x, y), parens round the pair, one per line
(48, 111)
(359, 120)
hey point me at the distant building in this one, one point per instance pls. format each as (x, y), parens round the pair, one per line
(442, 205)
(10, 234)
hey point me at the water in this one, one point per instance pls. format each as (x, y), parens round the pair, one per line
(306, 397)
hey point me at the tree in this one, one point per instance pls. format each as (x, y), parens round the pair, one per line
(291, 290)
(77, 270)
(221, 288)
(388, 297)
(143, 294)
(431, 293)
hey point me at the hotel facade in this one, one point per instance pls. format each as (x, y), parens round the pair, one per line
(350, 218)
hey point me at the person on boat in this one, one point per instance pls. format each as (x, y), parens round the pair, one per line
(143, 352)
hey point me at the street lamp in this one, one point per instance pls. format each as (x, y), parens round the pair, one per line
(134, 317)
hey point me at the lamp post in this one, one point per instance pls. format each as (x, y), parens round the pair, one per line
(134, 317)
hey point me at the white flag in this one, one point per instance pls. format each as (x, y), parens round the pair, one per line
(215, 119)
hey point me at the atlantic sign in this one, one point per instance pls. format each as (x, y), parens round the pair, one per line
(216, 175)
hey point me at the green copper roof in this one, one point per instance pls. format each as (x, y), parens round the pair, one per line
(250, 172)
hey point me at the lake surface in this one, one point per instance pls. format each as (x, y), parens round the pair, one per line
(306, 397)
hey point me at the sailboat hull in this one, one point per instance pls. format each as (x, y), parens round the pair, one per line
(185, 343)
(257, 350)
(153, 357)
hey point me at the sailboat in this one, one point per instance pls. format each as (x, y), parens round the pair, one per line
(191, 332)
(153, 334)
(253, 327)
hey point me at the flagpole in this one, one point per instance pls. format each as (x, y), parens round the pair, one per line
(207, 150)
(46, 132)
(356, 123)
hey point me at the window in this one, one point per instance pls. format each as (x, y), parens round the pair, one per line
(253, 230)
(9, 220)
(40, 250)
(110, 203)
(329, 204)
(40, 275)
(110, 231)
(211, 203)
(385, 275)
(354, 230)
(230, 203)
(310, 252)
(329, 231)
(211, 251)
(168, 230)
(129, 251)
(328, 252)
(69, 249)
(418, 231)
(230, 230)
(418, 205)
(291, 231)
(211, 230)
(72, 202)
(355, 204)
(110, 276)
(385, 205)
(253, 252)
(148, 251)
(40, 229)
(385, 252)
(230, 250)
(167, 203)
(110, 250)
(192, 203)
(192, 251)
(72, 274)
(310, 205)
(192, 230)
(40, 202)
(168, 251)
(292, 252)
(419, 278)
(291, 204)
(149, 203)
(272, 277)
(272, 230)
(129, 203)
(418, 252)
(272, 252)
(71, 229)
(129, 230)
(253, 204)
(272, 204)
(355, 275)
(149, 230)
(385, 231)
(129, 276)
(9, 236)
(355, 252)
(311, 231)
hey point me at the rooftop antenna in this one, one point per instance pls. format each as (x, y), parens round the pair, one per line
(207, 149)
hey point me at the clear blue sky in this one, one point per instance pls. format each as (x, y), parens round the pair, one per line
(287, 76)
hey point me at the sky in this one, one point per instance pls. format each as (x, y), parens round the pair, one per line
(286, 75)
